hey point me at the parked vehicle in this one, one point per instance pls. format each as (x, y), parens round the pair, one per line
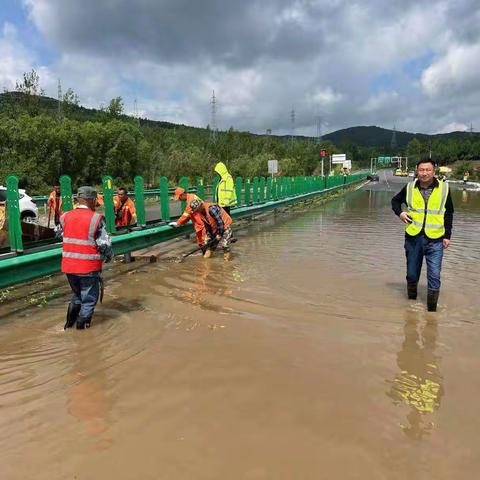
(398, 172)
(28, 209)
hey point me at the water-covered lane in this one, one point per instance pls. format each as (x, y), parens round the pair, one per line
(299, 358)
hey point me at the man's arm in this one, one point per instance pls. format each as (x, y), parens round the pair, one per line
(448, 216)
(103, 241)
(399, 199)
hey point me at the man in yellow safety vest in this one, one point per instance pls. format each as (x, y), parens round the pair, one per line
(428, 227)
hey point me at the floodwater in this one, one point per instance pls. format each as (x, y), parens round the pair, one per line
(300, 358)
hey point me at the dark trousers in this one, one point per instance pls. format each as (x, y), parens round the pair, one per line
(417, 248)
(86, 290)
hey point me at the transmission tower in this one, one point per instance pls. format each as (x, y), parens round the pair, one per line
(213, 118)
(135, 112)
(59, 105)
(318, 128)
(393, 143)
(471, 129)
(292, 120)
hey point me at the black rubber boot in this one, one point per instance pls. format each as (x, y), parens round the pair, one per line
(83, 322)
(412, 291)
(432, 299)
(72, 315)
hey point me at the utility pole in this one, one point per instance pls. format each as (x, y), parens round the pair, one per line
(59, 106)
(213, 118)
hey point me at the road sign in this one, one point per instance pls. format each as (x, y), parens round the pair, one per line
(323, 153)
(339, 158)
(273, 166)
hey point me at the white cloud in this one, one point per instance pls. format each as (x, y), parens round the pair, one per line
(458, 71)
(453, 127)
(261, 57)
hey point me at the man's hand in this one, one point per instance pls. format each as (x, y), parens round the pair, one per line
(173, 224)
(405, 217)
(446, 243)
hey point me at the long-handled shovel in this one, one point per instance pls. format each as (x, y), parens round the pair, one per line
(203, 248)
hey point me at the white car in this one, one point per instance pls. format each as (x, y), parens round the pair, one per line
(28, 209)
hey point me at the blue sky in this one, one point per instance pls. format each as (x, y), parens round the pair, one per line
(407, 63)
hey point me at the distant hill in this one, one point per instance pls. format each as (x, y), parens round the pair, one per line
(373, 136)
(362, 136)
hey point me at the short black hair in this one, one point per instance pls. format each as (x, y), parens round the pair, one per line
(123, 189)
(427, 160)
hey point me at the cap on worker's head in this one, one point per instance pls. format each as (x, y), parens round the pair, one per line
(88, 193)
(178, 192)
(195, 204)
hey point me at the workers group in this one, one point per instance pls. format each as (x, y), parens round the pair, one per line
(87, 244)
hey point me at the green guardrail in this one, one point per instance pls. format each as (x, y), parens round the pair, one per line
(262, 194)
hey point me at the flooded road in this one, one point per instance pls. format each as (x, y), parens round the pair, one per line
(301, 358)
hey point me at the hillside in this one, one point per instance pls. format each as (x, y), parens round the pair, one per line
(373, 136)
(362, 136)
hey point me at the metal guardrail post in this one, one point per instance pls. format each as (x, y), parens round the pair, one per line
(215, 183)
(140, 200)
(13, 215)
(108, 207)
(66, 193)
(200, 187)
(255, 190)
(261, 197)
(184, 183)
(238, 190)
(269, 189)
(164, 200)
(247, 192)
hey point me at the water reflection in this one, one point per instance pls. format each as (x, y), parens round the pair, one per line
(86, 392)
(419, 383)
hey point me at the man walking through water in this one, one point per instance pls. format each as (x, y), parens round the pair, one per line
(86, 244)
(428, 228)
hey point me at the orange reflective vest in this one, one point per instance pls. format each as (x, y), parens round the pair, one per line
(124, 213)
(52, 203)
(79, 251)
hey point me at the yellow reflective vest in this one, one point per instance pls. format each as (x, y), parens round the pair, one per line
(432, 214)
(226, 195)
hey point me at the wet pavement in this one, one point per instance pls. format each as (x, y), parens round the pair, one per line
(299, 358)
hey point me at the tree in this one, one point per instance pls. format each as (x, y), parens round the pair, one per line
(115, 107)
(70, 102)
(31, 91)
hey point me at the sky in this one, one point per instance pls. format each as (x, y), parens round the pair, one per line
(412, 64)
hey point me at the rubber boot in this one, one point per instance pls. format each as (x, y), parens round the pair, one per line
(207, 254)
(432, 299)
(412, 291)
(83, 322)
(72, 315)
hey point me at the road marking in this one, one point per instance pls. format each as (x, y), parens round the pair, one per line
(385, 176)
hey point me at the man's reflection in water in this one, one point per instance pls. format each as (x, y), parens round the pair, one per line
(87, 398)
(419, 383)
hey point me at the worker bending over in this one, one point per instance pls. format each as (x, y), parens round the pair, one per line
(216, 227)
(188, 214)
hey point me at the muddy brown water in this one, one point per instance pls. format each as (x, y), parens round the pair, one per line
(298, 359)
